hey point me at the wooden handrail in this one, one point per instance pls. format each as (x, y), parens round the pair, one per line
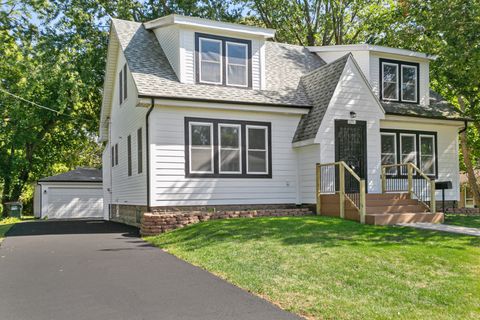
(342, 166)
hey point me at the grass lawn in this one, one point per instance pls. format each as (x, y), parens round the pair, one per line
(463, 220)
(327, 268)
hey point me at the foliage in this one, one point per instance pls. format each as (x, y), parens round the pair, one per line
(328, 268)
(6, 224)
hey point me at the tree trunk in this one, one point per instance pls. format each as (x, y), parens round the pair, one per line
(472, 179)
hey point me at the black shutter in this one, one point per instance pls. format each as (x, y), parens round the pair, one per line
(120, 87)
(113, 156)
(139, 150)
(116, 153)
(125, 82)
(129, 155)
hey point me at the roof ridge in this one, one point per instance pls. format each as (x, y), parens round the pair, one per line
(326, 65)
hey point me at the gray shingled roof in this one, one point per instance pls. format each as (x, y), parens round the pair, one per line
(439, 108)
(77, 175)
(154, 76)
(319, 86)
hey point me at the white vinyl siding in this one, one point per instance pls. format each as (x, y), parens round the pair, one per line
(170, 187)
(169, 39)
(125, 121)
(308, 157)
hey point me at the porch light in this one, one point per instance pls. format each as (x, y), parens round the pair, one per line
(353, 114)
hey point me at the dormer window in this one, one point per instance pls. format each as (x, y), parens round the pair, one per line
(399, 81)
(223, 61)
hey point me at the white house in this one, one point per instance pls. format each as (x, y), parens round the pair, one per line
(201, 113)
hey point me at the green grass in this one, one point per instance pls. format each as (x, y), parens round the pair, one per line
(463, 220)
(327, 268)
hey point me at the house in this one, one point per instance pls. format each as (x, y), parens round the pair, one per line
(207, 115)
(467, 199)
(71, 195)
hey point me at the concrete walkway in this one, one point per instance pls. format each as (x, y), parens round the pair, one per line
(83, 270)
(443, 227)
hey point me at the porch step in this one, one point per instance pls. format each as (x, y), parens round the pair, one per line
(386, 196)
(397, 208)
(394, 202)
(382, 219)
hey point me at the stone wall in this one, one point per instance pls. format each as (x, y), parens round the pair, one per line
(158, 222)
(127, 214)
(468, 211)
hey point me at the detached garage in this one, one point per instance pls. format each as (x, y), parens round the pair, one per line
(76, 194)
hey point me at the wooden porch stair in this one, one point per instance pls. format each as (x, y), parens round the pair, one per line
(383, 209)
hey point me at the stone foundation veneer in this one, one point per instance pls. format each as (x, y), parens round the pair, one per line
(159, 222)
(467, 211)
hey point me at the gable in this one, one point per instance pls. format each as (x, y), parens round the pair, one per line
(340, 87)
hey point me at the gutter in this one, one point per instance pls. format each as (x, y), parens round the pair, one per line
(147, 142)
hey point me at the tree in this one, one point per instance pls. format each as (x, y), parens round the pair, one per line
(324, 22)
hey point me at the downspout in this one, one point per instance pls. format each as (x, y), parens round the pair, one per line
(147, 141)
(465, 128)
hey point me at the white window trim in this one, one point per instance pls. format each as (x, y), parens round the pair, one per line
(394, 135)
(433, 155)
(220, 125)
(396, 83)
(227, 63)
(209, 124)
(200, 39)
(416, 84)
(415, 150)
(265, 128)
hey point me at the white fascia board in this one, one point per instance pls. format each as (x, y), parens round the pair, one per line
(209, 24)
(397, 118)
(57, 184)
(221, 105)
(304, 143)
(373, 48)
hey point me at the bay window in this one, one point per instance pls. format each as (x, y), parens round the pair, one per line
(227, 148)
(404, 146)
(399, 81)
(223, 61)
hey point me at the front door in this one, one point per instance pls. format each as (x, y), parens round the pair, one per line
(351, 147)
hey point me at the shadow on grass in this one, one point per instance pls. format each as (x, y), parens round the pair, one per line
(321, 231)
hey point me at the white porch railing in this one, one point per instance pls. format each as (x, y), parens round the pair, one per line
(407, 177)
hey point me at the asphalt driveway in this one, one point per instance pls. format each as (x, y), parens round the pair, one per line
(101, 270)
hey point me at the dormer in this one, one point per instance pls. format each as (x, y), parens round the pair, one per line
(396, 75)
(210, 52)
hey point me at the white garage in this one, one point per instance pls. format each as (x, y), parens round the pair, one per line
(76, 194)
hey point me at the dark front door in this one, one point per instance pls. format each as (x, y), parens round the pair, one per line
(351, 147)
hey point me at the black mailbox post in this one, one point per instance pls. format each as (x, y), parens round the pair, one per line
(443, 185)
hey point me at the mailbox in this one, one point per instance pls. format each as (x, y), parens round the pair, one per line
(443, 185)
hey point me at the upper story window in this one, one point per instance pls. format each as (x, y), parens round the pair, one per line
(399, 81)
(122, 84)
(223, 61)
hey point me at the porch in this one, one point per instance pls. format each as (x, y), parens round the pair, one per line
(404, 199)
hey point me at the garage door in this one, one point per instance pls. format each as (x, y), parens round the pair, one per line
(74, 203)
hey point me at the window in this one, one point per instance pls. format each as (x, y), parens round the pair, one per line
(129, 155)
(403, 146)
(113, 156)
(201, 147)
(389, 151)
(227, 148)
(223, 61)
(399, 81)
(257, 149)
(427, 154)
(116, 154)
(408, 150)
(237, 64)
(390, 81)
(139, 150)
